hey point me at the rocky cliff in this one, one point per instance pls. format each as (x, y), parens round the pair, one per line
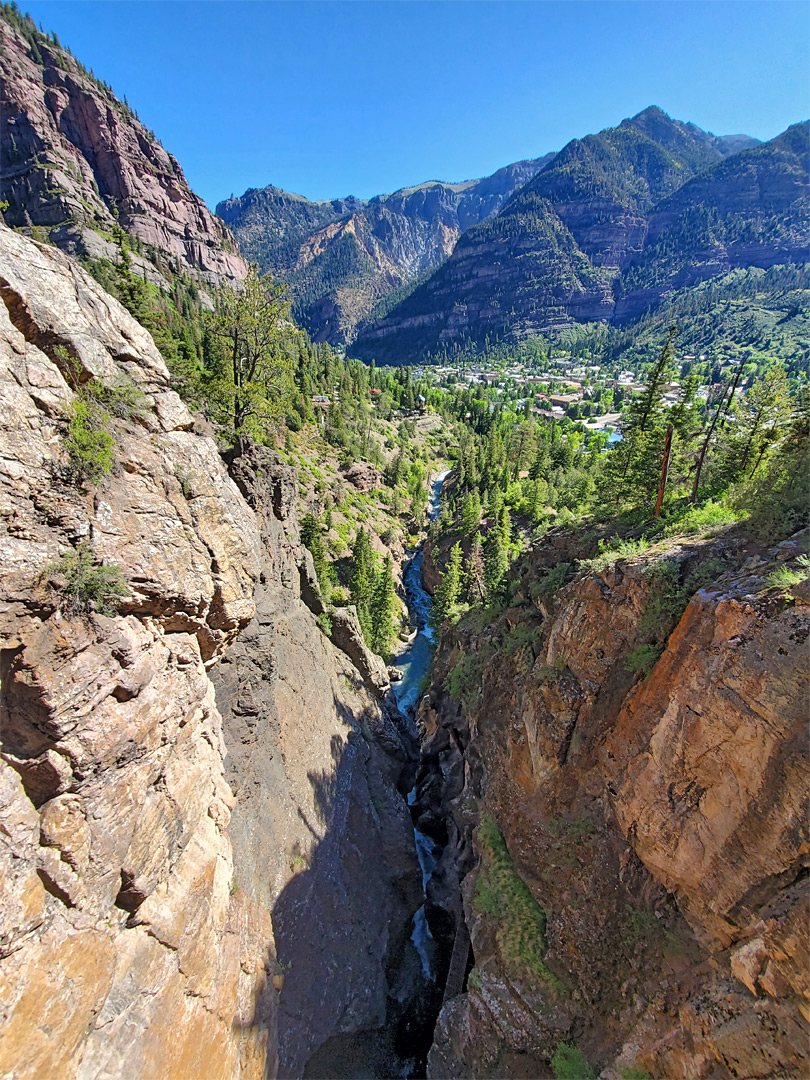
(628, 851)
(157, 920)
(72, 156)
(345, 256)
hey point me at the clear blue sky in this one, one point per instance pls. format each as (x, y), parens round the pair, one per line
(330, 99)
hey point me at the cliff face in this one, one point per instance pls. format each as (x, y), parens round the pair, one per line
(72, 154)
(127, 940)
(630, 852)
(321, 836)
(608, 230)
(343, 257)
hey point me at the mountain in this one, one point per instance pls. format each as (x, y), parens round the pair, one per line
(750, 210)
(343, 257)
(626, 215)
(73, 157)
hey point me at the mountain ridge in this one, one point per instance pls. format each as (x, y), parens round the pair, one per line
(75, 160)
(557, 251)
(343, 256)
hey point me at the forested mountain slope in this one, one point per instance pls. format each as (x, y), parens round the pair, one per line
(630, 215)
(343, 256)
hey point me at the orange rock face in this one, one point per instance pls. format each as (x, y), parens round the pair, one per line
(71, 151)
(659, 822)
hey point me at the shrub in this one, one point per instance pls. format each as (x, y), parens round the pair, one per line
(551, 582)
(784, 578)
(501, 893)
(89, 443)
(463, 682)
(123, 400)
(325, 623)
(643, 659)
(83, 586)
(569, 1063)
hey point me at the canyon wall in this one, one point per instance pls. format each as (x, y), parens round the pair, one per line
(156, 920)
(629, 853)
(74, 159)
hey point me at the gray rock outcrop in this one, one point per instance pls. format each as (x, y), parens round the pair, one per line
(150, 913)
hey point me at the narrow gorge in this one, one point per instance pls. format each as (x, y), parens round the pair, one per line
(209, 857)
(404, 660)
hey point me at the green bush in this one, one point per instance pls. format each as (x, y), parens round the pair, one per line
(123, 400)
(463, 682)
(569, 1063)
(551, 582)
(643, 659)
(83, 586)
(89, 443)
(501, 893)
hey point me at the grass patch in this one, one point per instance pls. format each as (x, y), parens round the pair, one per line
(84, 586)
(785, 578)
(612, 549)
(569, 1063)
(502, 894)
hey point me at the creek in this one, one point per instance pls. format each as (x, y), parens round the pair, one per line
(414, 663)
(401, 1047)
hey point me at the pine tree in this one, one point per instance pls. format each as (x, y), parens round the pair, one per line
(496, 563)
(312, 538)
(382, 606)
(473, 584)
(470, 513)
(362, 579)
(448, 590)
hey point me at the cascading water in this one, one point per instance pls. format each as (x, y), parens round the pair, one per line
(400, 1047)
(414, 662)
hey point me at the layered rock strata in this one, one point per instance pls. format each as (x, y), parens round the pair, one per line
(129, 944)
(73, 158)
(630, 852)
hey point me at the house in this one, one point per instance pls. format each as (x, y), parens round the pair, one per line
(320, 401)
(564, 400)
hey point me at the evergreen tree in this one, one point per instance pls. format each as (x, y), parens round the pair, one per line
(448, 590)
(382, 607)
(473, 584)
(542, 461)
(496, 563)
(312, 538)
(362, 579)
(470, 513)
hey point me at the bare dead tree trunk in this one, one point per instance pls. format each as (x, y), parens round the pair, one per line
(704, 448)
(662, 484)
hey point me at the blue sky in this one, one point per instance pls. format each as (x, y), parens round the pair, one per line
(332, 99)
